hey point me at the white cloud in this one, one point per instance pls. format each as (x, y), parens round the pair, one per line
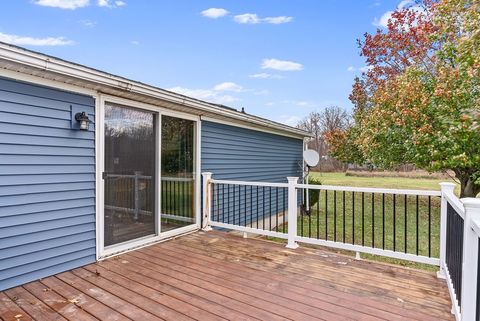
(361, 69)
(228, 86)
(214, 13)
(205, 94)
(282, 65)
(290, 120)
(29, 41)
(264, 75)
(253, 18)
(135, 42)
(63, 4)
(404, 4)
(365, 68)
(383, 21)
(247, 18)
(109, 4)
(278, 20)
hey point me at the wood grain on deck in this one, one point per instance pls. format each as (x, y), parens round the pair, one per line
(219, 276)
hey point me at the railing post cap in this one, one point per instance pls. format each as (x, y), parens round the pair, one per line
(206, 173)
(447, 186)
(471, 202)
(292, 179)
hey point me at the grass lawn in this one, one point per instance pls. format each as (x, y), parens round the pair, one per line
(361, 218)
(341, 179)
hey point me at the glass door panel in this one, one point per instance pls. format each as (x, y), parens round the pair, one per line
(130, 170)
(178, 179)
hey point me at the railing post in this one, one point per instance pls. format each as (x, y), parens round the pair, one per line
(292, 212)
(206, 201)
(470, 260)
(445, 188)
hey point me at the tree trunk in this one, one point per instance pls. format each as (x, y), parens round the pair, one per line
(468, 188)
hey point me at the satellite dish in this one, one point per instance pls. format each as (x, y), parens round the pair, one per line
(311, 157)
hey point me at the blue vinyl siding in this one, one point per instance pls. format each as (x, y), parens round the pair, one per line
(235, 153)
(47, 183)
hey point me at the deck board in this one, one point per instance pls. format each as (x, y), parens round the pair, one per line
(220, 276)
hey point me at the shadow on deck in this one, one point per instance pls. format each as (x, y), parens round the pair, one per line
(217, 276)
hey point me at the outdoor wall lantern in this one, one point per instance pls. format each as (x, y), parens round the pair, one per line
(82, 120)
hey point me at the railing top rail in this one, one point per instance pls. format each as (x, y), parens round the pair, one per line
(163, 178)
(127, 176)
(455, 202)
(177, 179)
(246, 183)
(371, 190)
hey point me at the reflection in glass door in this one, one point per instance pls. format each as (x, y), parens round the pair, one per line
(178, 179)
(129, 177)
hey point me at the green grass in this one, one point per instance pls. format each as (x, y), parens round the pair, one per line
(340, 179)
(377, 216)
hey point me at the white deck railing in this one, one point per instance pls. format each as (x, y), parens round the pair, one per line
(252, 206)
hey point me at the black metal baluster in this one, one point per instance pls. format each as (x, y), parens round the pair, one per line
(353, 217)
(309, 220)
(373, 219)
(343, 210)
(245, 212)
(284, 210)
(233, 203)
(394, 222)
(182, 198)
(239, 205)
(405, 222)
(326, 215)
(430, 227)
(263, 204)
(223, 203)
(251, 206)
(363, 218)
(174, 211)
(276, 209)
(170, 211)
(318, 214)
(334, 216)
(258, 208)
(416, 233)
(383, 221)
(302, 215)
(213, 208)
(270, 208)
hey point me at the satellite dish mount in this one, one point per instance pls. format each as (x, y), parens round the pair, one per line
(311, 159)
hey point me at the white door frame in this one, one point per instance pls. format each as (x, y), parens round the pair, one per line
(103, 251)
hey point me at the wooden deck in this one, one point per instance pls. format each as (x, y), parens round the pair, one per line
(217, 276)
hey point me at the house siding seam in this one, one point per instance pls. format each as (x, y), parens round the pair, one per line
(47, 183)
(235, 153)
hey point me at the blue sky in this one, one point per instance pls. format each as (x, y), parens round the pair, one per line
(279, 59)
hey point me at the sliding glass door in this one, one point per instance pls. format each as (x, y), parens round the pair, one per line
(178, 179)
(130, 173)
(149, 174)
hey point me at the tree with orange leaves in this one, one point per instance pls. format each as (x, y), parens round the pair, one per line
(419, 102)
